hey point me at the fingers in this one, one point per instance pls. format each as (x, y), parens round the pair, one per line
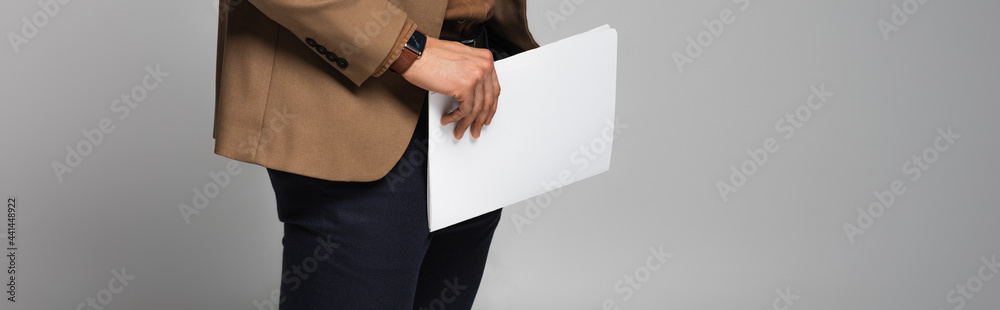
(455, 115)
(472, 80)
(470, 116)
(466, 96)
(489, 101)
(496, 100)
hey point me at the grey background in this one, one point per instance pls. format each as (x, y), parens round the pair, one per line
(783, 229)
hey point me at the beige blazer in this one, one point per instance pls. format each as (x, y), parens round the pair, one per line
(294, 85)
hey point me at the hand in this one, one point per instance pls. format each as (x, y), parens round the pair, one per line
(465, 73)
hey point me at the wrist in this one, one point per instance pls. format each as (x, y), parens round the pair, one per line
(412, 50)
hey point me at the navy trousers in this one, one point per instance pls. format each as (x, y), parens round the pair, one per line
(366, 245)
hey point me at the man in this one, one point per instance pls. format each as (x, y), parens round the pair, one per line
(330, 96)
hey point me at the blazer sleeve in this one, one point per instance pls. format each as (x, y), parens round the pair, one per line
(360, 38)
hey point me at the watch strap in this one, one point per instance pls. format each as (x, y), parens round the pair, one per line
(411, 52)
(404, 61)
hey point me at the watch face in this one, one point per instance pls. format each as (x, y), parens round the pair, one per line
(417, 42)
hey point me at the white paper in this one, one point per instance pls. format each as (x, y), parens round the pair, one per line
(554, 126)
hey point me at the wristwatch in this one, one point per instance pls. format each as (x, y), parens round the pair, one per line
(412, 51)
